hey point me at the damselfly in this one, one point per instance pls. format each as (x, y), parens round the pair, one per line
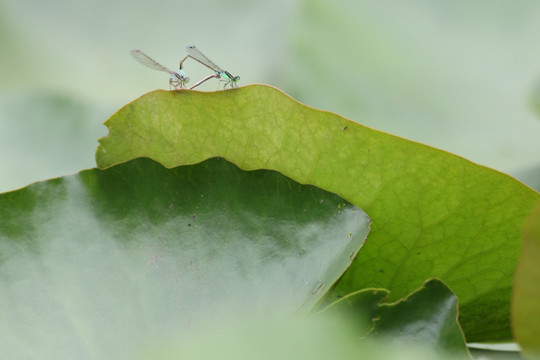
(221, 74)
(176, 80)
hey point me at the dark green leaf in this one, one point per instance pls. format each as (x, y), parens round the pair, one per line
(427, 318)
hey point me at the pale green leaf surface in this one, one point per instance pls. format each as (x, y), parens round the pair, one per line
(434, 214)
(316, 338)
(94, 265)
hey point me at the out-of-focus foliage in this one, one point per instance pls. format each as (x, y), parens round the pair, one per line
(455, 75)
(526, 295)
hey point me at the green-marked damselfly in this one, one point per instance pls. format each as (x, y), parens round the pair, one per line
(221, 74)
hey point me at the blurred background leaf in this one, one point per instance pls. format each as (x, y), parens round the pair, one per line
(455, 75)
(44, 135)
(526, 292)
(318, 338)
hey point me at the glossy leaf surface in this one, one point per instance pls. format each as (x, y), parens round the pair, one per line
(95, 264)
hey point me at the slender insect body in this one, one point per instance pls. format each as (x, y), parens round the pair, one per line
(222, 75)
(176, 80)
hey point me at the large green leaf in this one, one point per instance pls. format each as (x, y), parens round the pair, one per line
(526, 297)
(95, 264)
(434, 214)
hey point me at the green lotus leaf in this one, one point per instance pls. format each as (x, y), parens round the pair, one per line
(434, 214)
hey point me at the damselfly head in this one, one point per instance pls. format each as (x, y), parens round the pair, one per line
(233, 78)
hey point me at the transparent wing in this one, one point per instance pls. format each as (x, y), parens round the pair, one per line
(148, 61)
(200, 57)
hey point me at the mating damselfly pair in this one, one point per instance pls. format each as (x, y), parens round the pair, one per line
(177, 79)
